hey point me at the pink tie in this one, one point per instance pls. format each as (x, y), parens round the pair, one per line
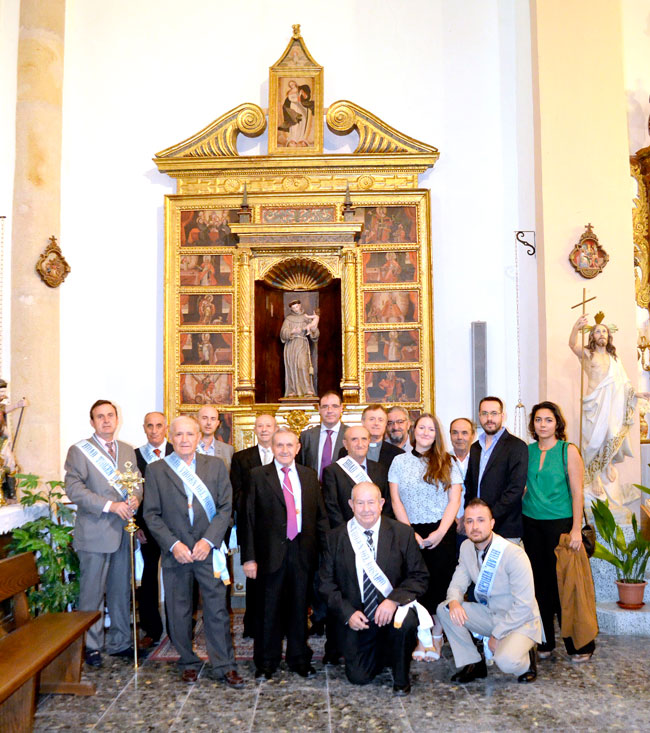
(326, 458)
(292, 519)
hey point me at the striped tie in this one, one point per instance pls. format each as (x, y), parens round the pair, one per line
(370, 595)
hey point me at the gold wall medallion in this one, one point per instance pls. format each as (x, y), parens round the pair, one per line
(51, 265)
(345, 234)
(588, 258)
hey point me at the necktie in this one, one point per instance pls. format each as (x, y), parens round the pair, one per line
(292, 520)
(157, 452)
(110, 447)
(326, 458)
(266, 456)
(370, 597)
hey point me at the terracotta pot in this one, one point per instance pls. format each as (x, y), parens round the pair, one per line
(630, 595)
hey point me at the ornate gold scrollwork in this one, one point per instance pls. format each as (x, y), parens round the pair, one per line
(219, 138)
(297, 421)
(640, 235)
(375, 136)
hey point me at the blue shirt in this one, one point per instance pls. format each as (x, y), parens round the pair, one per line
(485, 455)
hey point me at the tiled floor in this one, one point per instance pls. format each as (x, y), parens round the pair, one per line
(610, 693)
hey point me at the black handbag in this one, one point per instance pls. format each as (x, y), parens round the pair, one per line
(588, 532)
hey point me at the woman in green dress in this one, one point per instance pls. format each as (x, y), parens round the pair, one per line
(552, 505)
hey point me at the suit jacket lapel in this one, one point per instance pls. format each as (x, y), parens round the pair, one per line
(274, 482)
(384, 544)
(175, 479)
(495, 452)
(350, 562)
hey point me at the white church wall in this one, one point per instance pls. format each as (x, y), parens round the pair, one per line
(636, 64)
(142, 76)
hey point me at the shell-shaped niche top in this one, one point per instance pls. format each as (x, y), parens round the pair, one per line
(298, 273)
(296, 113)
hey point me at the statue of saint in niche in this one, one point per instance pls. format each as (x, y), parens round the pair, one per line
(298, 329)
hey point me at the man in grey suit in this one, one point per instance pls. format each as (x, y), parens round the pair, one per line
(320, 444)
(99, 537)
(187, 508)
(208, 418)
(507, 615)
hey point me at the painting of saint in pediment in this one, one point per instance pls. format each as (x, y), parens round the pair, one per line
(208, 227)
(296, 114)
(206, 349)
(388, 224)
(390, 267)
(211, 309)
(391, 306)
(210, 270)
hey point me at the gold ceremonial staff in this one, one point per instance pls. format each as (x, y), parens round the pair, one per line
(129, 480)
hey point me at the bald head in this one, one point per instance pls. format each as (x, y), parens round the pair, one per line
(357, 441)
(366, 503)
(208, 418)
(184, 434)
(155, 428)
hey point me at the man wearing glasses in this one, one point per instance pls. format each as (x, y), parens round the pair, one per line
(498, 465)
(397, 428)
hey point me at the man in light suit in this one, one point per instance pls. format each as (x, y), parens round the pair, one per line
(367, 636)
(375, 418)
(508, 618)
(243, 462)
(179, 520)
(320, 444)
(497, 470)
(283, 530)
(156, 447)
(99, 537)
(337, 484)
(208, 418)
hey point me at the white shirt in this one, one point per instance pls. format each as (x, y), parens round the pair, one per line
(463, 469)
(206, 451)
(295, 488)
(162, 448)
(266, 455)
(323, 438)
(357, 559)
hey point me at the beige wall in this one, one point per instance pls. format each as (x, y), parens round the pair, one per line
(582, 173)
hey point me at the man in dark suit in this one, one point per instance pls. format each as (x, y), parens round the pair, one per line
(243, 462)
(338, 483)
(375, 418)
(283, 530)
(368, 638)
(320, 444)
(497, 470)
(99, 536)
(156, 447)
(188, 509)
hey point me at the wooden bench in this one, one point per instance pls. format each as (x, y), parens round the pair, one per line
(43, 653)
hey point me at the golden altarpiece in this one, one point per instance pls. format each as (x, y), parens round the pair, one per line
(347, 234)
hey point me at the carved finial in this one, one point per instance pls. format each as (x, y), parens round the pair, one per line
(589, 229)
(296, 30)
(52, 239)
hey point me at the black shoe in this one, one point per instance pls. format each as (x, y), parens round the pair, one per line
(93, 658)
(333, 659)
(470, 672)
(265, 672)
(317, 628)
(304, 670)
(402, 690)
(531, 674)
(128, 653)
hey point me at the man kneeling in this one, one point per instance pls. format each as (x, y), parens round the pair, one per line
(372, 565)
(506, 615)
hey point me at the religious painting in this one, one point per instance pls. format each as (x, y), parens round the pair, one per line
(297, 215)
(207, 228)
(393, 386)
(391, 306)
(587, 257)
(390, 267)
(393, 346)
(211, 309)
(296, 101)
(206, 389)
(207, 348)
(210, 270)
(388, 224)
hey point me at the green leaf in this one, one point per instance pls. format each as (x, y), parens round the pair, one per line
(602, 553)
(645, 489)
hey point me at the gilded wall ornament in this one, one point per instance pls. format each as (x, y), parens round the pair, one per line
(51, 265)
(587, 257)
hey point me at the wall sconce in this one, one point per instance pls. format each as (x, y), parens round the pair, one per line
(643, 347)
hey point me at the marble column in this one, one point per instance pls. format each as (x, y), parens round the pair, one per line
(35, 339)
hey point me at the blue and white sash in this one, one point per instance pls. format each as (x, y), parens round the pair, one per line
(484, 583)
(353, 470)
(102, 463)
(192, 482)
(147, 453)
(380, 581)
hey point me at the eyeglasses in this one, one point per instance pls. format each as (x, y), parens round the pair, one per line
(397, 422)
(494, 413)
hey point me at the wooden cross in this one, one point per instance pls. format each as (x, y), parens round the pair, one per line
(583, 302)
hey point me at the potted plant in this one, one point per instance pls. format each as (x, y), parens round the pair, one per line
(629, 558)
(50, 538)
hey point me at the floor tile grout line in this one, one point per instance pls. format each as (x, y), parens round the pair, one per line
(257, 697)
(114, 700)
(329, 704)
(187, 697)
